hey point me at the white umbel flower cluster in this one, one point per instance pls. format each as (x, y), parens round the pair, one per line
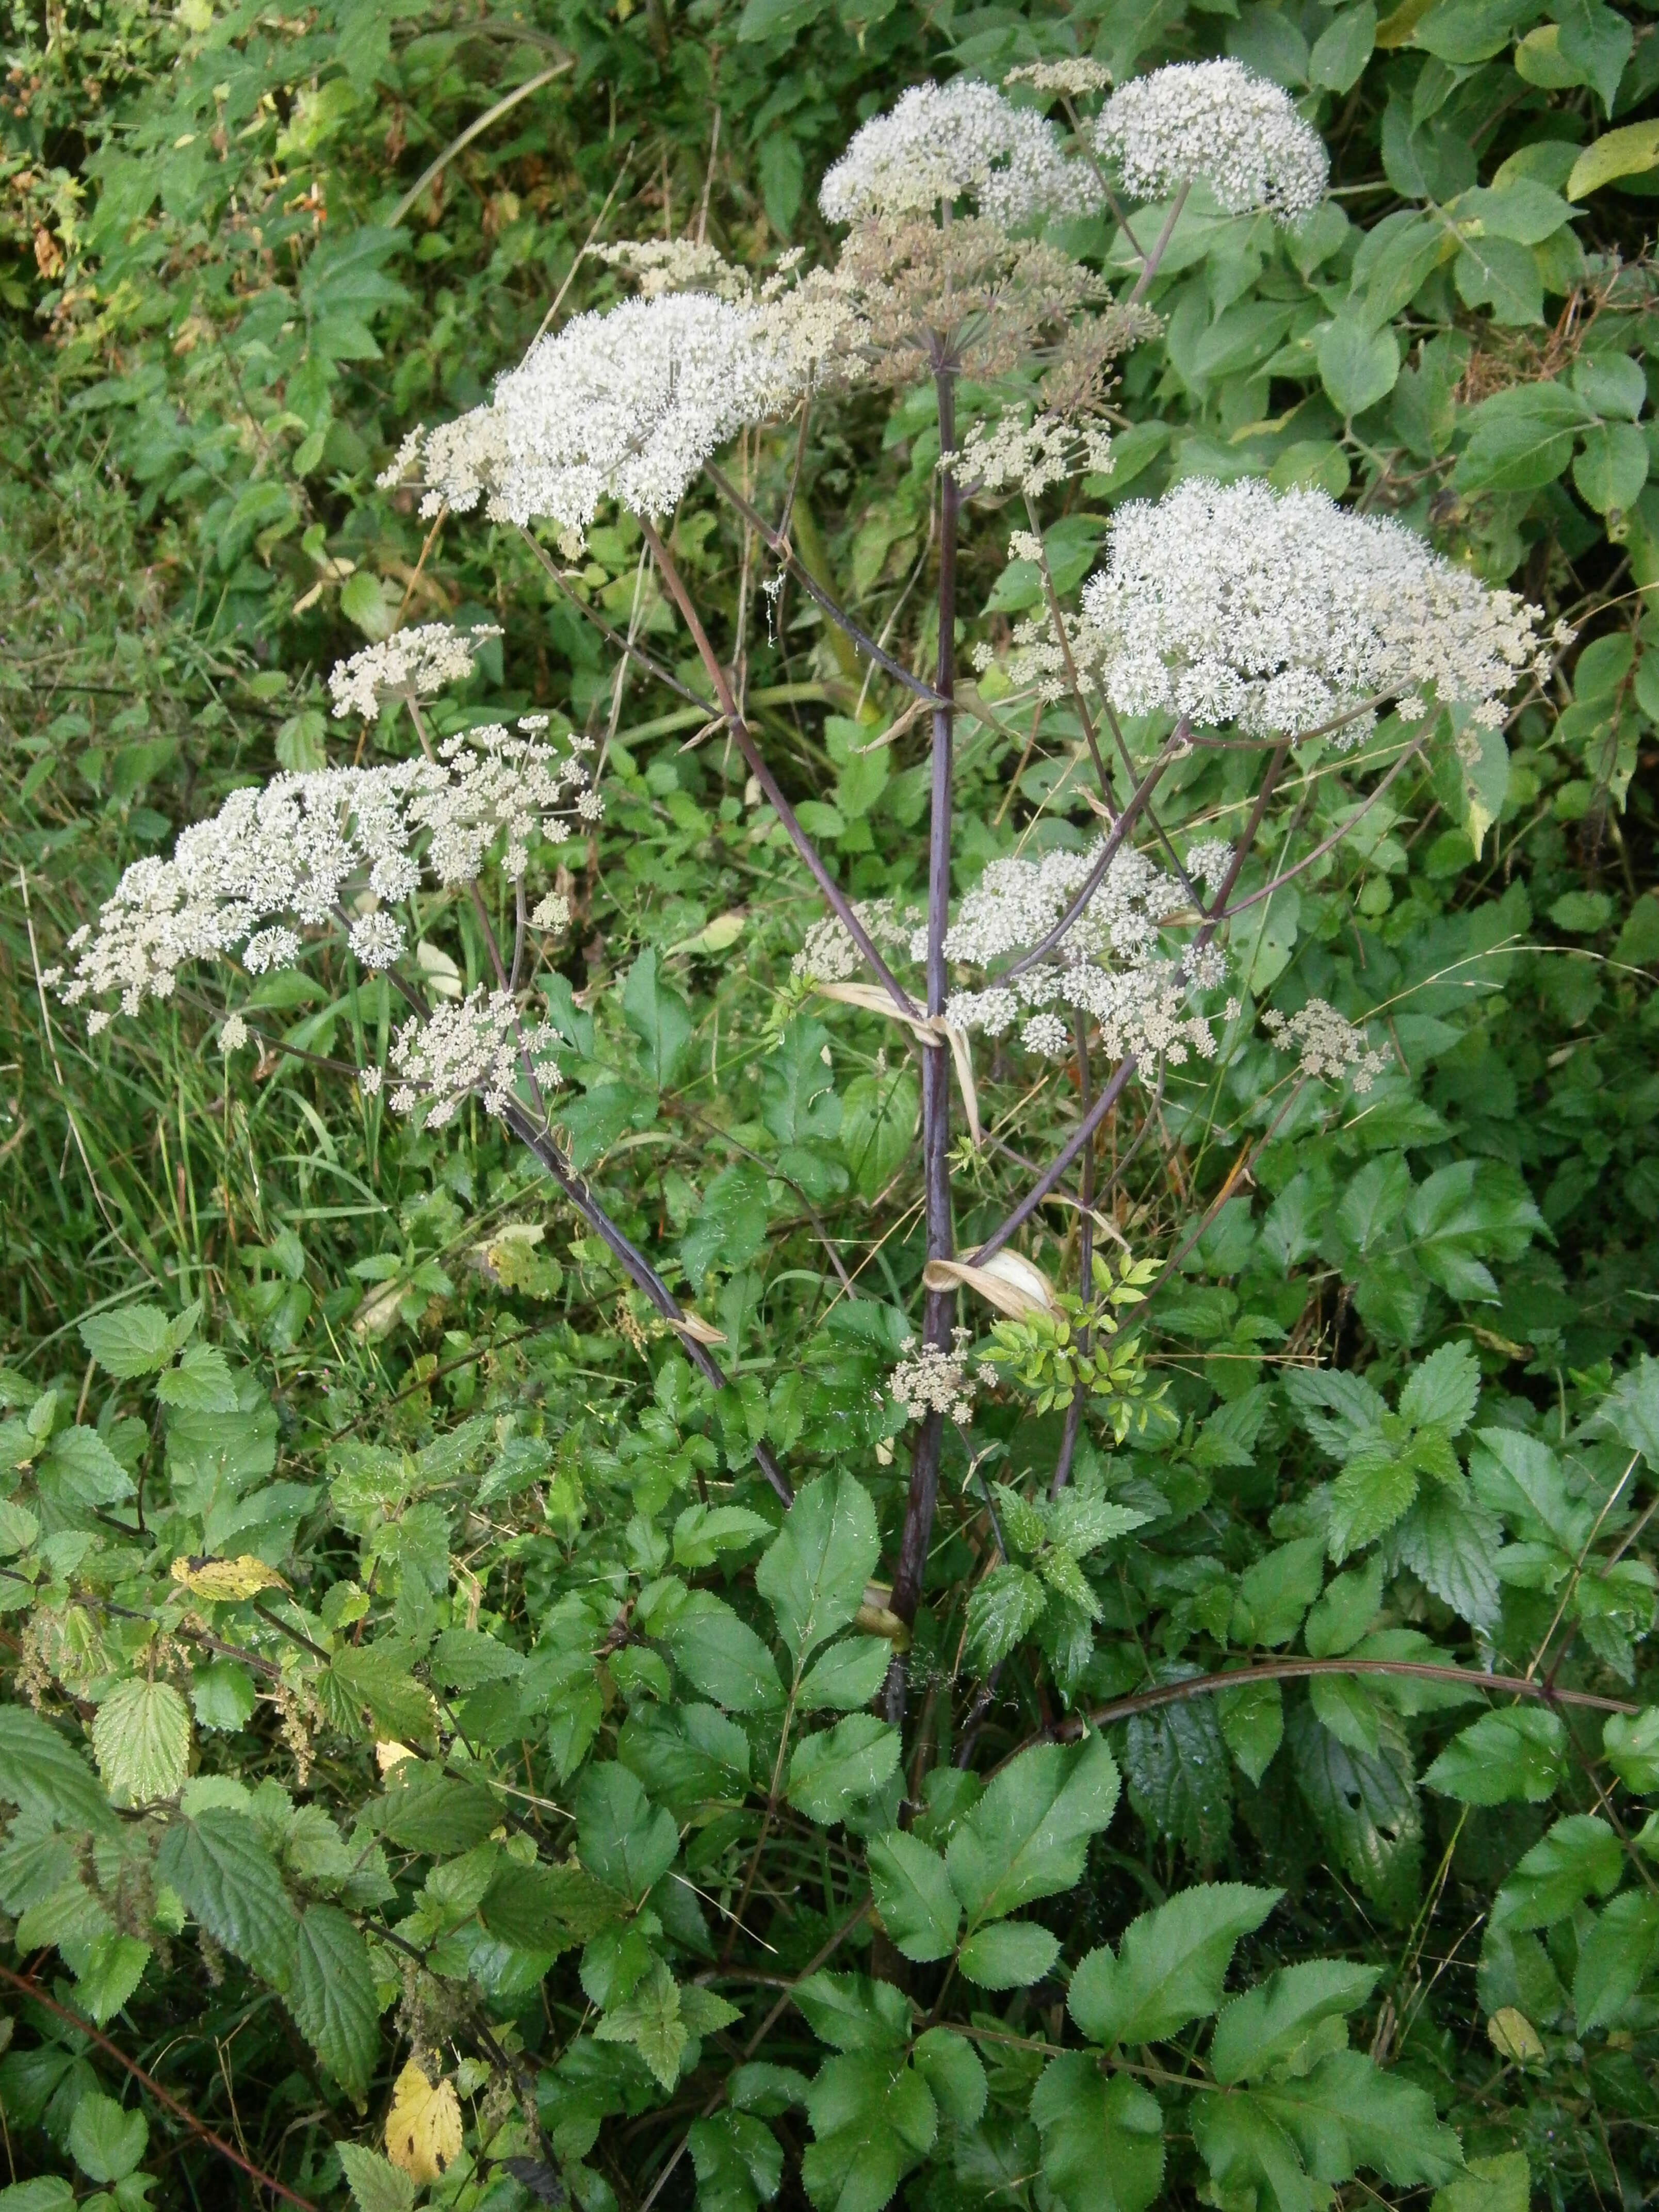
(410, 662)
(948, 141)
(930, 1380)
(1219, 121)
(1009, 455)
(1330, 1045)
(829, 954)
(1108, 965)
(479, 1045)
(282, 858)
(625, 405)
(1282, 612)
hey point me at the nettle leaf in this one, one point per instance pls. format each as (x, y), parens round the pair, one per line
(1503, 1757)
(1273, 2025)
(44, 1776)
(1102, 2142)
(1170, 1966)
(1028, 1836)
(814, 1573)
(229, 1881)
(1002, 1612)
(140, 1739)
(375, 2184)
(332, 1994)
(918, 1907)
(137, 1340)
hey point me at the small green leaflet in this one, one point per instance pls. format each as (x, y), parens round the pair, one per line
(814, 1573)
(1170, 1966)
(1504, 1756)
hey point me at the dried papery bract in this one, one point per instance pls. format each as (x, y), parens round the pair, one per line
(958, 141)
(1281, 612)
(1219, 121)
(625, 405)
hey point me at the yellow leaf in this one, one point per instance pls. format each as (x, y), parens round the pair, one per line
(1624, 153)
(389, 1753)
(423, 2128)
(1513, 2036)
(223, 1581)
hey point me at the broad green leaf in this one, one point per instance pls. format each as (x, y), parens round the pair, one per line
(1170, 1966)
(1580, 1857)
(1010, 1955)
(1002, 1611)
(428, 1810)
(1270, 2026)
(657, 1016)
(873, 2118)
(45, 1776)
(739, 2163)
(104, 2142)
(1503, 2184)
(1028, 1836)
(1347, 1709)
(115, 1967)
(721, 1655)
(1253, 1723)
(952, 2069)
(1503, 1757)
(854, 2013)
(229, 1881)
(1445, 1389)
(1612, 466)
(878, 1120)
(1179, 1784)
(1521, 438)
(1277, 1590)
(1345, 1611)
(832, 1772)
(1366, 1804)
(813, 1575)
(332, 1994)
(1102, 2142)
(621, 1839)
(134, 1340)
(848, 1675)
(1372, 1493)
(1613, 1958)
(1291, 2138)
(1628, 152)
(913, 1896)
(140, 1739)
(1631, 1741)
(1343, 48)
(648, 2018)
(1357, 365)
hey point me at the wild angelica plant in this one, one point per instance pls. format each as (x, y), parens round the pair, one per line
(1301, 639)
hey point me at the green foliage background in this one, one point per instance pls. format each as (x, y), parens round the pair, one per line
(247, 1310)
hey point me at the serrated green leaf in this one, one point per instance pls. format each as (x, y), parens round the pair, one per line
(1503, 1757)
(332, 1997)
(229, 1881)
(1169, 1967)
(1028, 1836)
(833, 1771)
(140, 1739)
(813, 1574)
(913, 1896)
(1271, 2024)
(375, 2184)
(1102, 2142)
(1010, 1955)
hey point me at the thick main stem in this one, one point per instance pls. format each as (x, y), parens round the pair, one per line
(939, 1306)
